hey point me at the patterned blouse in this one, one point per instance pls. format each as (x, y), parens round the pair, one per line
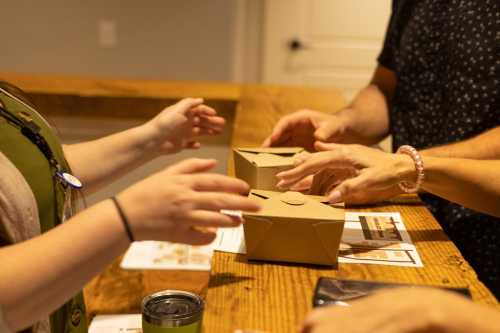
(446, 56)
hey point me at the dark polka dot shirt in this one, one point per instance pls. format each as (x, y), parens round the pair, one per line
(446, 56)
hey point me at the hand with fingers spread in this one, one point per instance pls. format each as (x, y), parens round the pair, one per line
(178, 126)
(364, 170)
(182, 203)
(303, 128)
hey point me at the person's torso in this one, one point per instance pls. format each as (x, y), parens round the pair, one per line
(50, 194)
(447, 62)
(446, 56)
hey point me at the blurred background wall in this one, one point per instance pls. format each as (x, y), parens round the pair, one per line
(153, 39)
(302, 42)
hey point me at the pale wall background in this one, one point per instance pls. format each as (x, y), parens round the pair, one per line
(155, 39)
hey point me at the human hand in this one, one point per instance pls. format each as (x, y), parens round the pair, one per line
(182, 203)
(303, 128)
(363, 170)
(325, 181)
(402, 310)
(178, 126)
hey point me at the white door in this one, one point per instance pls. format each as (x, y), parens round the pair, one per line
(336, 42)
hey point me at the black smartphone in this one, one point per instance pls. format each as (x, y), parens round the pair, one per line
(331, 291)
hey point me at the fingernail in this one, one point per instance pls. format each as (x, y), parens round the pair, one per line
(334, 197)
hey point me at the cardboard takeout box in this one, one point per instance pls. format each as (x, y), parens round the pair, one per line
(294, 227)
(259, 166)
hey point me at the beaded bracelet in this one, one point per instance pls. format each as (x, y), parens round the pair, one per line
(124, 219)
(408, 187)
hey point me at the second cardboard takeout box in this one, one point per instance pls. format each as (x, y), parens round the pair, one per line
(259, 166)
(293, 227)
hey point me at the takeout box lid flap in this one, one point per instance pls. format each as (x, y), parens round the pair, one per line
(272, 150)
(270, 157)
(296, 205)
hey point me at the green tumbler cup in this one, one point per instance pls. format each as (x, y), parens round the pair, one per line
(172, 311)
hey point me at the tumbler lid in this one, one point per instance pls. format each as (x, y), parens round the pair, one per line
(172, 308)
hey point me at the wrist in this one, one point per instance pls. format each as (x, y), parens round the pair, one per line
(345, 126)
(358, 128)
(115, 223)
(347, 117)
(124, 219)
(404, 167)
(412, 187)
(130, 206)
(147, 139)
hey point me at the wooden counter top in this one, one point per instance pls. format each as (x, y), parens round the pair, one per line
(269, 297)
(102, 87)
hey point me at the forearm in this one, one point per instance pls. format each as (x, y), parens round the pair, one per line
(471, 183)
(486, 321)
(473, 317)
(99, 162)
(483, 146)
(39, 275)
(367, 117)
(368, 113)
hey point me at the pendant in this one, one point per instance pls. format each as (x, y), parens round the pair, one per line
(70, 180)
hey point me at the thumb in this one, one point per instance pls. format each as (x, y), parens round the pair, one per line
(348, 189)
(188, 103)
(322, 146)
(267, 142)
(192, 165)
(327, 131)
(280, 133)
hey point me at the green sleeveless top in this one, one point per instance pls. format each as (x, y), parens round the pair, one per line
(50, 195)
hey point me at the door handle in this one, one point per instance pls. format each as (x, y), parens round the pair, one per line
(295, 44)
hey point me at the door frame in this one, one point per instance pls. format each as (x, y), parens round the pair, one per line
(247, 41)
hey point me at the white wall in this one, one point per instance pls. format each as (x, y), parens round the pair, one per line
(156, 39)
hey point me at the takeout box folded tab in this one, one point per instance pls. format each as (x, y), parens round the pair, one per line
(293, 227)
(259, 166)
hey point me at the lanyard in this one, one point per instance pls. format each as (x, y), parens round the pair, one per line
(32, 132)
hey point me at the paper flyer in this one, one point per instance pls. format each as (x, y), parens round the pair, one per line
(167, 256)
(128, 323)
(230, 240)
(377, 238)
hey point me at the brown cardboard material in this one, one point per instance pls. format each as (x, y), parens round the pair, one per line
(294, 227)
(259, 166)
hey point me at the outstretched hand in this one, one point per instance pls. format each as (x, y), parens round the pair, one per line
(365, 171)
(303, 128)
(182, 203)
(178, 126)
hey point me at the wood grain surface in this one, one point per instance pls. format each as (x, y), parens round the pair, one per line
(102, 87)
